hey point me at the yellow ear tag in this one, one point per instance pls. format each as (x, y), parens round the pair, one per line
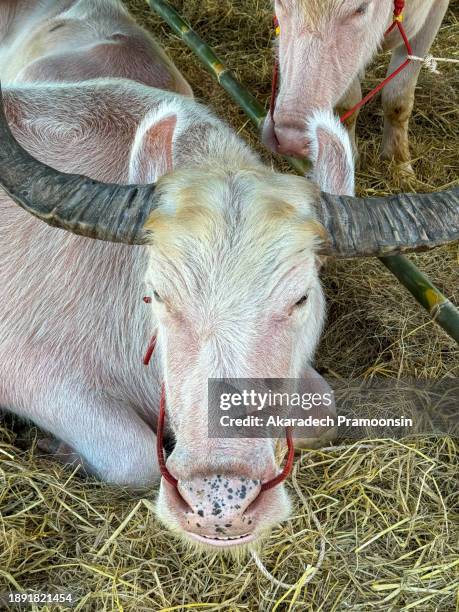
(277, 30)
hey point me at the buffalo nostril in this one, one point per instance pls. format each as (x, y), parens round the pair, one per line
(253, 506)
(291, 138)
(295, 147)
(294, 151)
(179, 499)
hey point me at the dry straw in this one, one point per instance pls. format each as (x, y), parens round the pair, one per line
(387, 509)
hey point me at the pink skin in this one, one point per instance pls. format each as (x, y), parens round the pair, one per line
(220, 479)
(220, 543)
(67, 48)
(320, 54)
(324, 47)
(223, 311)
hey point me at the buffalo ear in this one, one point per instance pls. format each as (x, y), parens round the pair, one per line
(153, 149)
(331, 154)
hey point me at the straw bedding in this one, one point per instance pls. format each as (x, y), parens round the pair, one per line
(388, 509)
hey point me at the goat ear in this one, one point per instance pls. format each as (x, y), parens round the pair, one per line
(152, 151)
(331, 154)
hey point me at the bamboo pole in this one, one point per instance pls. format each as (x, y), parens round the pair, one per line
(430, 297)
(418, 284)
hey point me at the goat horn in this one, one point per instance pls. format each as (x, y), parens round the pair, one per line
(362, 227)
(115, 213)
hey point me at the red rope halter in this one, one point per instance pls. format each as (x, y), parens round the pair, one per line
(272, 104)
(165, 473)
(288, 465)
(399, 5)
(159, 441)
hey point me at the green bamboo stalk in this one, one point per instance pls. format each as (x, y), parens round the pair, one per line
(418, 284)
(430, 297)
(223, 75)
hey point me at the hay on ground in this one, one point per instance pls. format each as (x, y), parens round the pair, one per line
(388, 509)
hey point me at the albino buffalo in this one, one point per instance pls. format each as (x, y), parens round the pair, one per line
(324, 47)
(176, 207)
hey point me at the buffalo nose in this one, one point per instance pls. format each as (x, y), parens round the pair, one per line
(219, 506)
(291, 139)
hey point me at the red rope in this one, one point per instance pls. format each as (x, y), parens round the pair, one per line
(287, 467)
(399, 5)
(159, 442)
(162, 415)
(160, 436)
(272, 104)
(150, 350)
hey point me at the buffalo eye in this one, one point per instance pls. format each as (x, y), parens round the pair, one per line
(301, 301)
(157, 297)
(362, 9)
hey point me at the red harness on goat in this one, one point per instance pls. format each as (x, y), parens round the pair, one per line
(160, 435)
(399, 5)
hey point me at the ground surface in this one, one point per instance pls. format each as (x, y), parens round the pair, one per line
(388, 510)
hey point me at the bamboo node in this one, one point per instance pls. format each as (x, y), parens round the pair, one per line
(437, 308)
(434, 300)
(219, 69)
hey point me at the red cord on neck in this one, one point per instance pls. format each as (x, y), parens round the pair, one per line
(152, 344)
(399, 6)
